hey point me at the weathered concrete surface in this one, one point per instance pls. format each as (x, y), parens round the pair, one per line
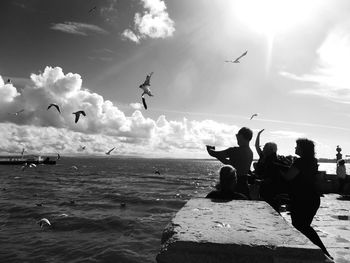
(332, 223)
(236, 231)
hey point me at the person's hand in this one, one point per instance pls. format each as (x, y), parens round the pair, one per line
(261, 131)
(210, 148)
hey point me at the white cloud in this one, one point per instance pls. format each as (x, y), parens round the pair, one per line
(46, 131)
(7, 92)
(128, 34)
(154, 22)
(136, 106)
(331, 73)
(78, 28)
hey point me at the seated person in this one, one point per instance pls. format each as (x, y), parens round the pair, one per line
(227, 187)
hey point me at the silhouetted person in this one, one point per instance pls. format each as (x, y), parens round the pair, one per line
(341, 174)
(338, 155)
(226, 188)
(240, 158)
(304, 193)
(269, 172)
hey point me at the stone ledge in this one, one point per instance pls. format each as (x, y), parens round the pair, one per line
(236, 231)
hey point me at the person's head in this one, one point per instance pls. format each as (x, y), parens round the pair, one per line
(305, 148)
(269, 149)
(244, 136)
(341, 162)
(228, 178)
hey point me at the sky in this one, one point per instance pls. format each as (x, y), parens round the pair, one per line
(92, 55)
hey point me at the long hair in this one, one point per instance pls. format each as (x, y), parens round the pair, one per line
(307, 148)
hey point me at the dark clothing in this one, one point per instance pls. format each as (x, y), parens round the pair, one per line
(226, 195)
(304, 185)
(240, 158)
(273, 183)
(305, 199)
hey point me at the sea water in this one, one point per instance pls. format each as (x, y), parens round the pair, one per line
(101, 209)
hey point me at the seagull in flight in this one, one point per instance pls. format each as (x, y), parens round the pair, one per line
(83, 147)
(254, 115)
(58, 156)
(55, 105)
(17, 112)
(92, 9)
(146, 90)
(77, 115)
(9, 81)
(237, 59)
(44, 221)
(109, 152)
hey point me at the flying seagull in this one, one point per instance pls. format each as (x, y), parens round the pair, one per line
(9, 81)
(58, 156)
(77, 115)
(55, 105)
(17, 112)
(83, 147)
(237, 59)
(146, 90)
(109, 152)
(254, 115)
(44, 221)
(92, 9)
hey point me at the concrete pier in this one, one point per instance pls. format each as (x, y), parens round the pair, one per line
(235, 231)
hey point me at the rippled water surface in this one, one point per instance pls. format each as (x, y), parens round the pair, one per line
(86, 207)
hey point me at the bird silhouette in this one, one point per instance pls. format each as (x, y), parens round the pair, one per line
(92, 9)
(237, 59)
(254, 115)
(8, 81)
(83, 147)
(77, 115)
(58, 156)
(156, 172)
(55, 105)
(109, 152)
(146, 90)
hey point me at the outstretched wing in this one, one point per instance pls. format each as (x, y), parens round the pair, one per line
(144, 103)
(148, 79)
(110, 150)
(58, 108)
(76, 117)
(83, 112)
(245, 53)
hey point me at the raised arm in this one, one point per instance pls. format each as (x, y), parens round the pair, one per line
(257, 143)
(222, 156)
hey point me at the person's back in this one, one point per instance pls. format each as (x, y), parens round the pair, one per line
(240, 158)
(226, 189)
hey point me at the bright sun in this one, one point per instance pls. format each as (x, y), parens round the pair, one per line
(273, 16)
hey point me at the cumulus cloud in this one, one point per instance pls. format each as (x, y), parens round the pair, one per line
(46, 131)
(330, 74)
(7, 92)
(78, 28)
(153, 23)
(128, 34)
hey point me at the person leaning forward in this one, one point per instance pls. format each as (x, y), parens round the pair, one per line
(240, 158)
